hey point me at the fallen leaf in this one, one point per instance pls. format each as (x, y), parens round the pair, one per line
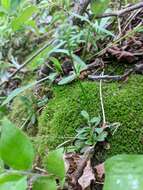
(87, 177)
(100, 171)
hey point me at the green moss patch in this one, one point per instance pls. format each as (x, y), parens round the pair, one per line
(123, 103)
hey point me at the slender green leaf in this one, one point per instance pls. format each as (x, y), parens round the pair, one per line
(57, 64)
(101, 137)
(20, 21)
(16, 92)
(124, 172)
(45, 54)
(16, 149)
(55, 163)
(99, 130)
(67, 80)
(45, 183)
(80, 65)
(85, 115)
(95, 120)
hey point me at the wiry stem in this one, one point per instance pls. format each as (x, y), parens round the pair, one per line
(101, 101)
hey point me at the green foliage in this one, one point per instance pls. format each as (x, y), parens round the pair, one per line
(15, 148)
(10, 4)
(67, 80)
(12, 182)
(79, 66)
(57, 64)
(17, 91)
(45, 183)
(24, 17)
(124, 171)
(17, 152)
(123, 103)
(92, 133)
(99, 6)
(55, 158)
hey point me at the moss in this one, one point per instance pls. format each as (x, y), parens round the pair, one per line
(123, 103)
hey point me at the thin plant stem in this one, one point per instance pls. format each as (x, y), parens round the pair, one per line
(28, 173)
(79, 82)
(101, 101)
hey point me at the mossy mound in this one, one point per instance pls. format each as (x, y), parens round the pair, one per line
(123, 103)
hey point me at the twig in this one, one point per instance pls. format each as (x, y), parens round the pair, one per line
(29, 173)
(101, 101)
(131, 17)
(84, 6)
(121, 12)
(41, 170)
(109, 77)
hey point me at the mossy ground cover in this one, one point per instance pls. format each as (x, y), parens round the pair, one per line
(60, 118)
(123, 103)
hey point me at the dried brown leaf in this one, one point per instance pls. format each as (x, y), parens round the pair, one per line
(87, 177)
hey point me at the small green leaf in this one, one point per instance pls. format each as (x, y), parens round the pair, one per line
(67, 80)
(101, 137)
(16, 149)
(85, 115)
(41, 55)
(55, 163)
(99, 6)
(45, 183)
(124, 172)
(52, 76)
(79, 64)
(95, 120)
(57, 64)
(12, 182)
(6, 4)
(26, 14)
(99, 130)
(81, 136)
(89, 142)
(83, 130)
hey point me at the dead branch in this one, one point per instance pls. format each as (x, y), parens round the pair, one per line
(108, 77)
(121, 12)
(84, 6)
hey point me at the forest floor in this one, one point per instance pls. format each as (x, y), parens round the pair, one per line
(85, 95)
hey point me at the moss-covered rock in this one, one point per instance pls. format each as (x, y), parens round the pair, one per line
(123, 103)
